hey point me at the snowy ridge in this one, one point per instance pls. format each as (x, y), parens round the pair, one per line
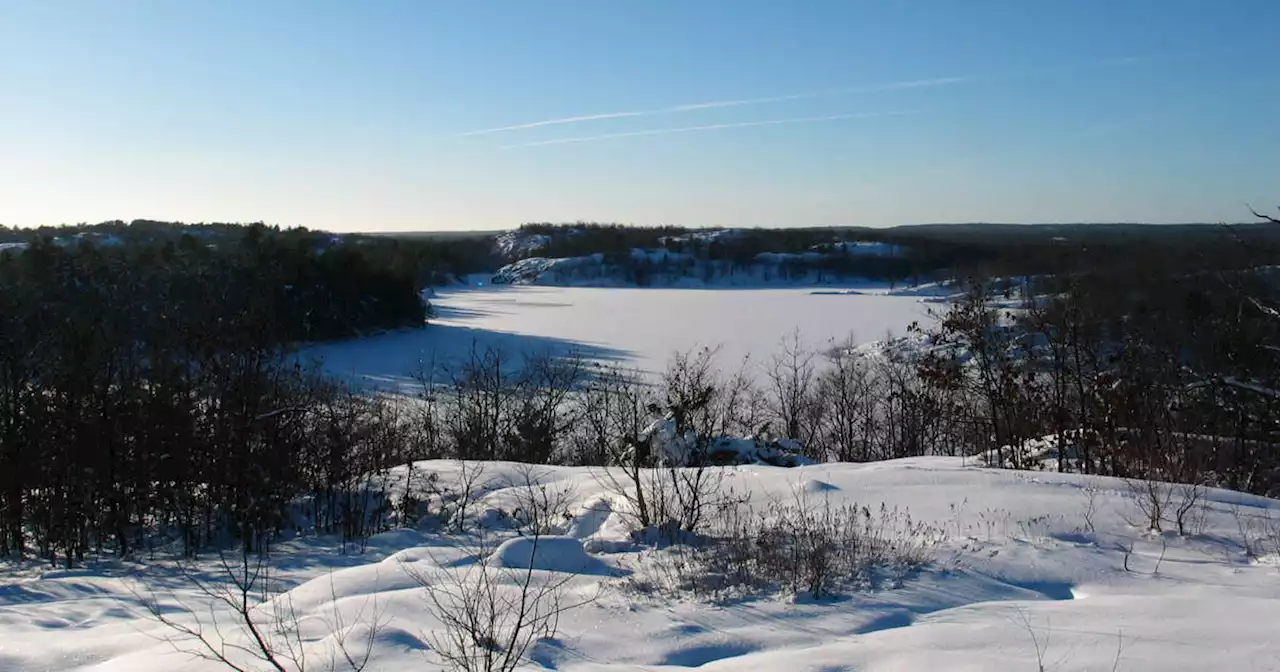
(661, 268)
(1036, 569)
(518, 244)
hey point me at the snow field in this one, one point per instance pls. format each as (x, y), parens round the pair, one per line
(1031, 573)
(636, 328)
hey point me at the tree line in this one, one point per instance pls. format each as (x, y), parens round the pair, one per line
(1163, 367)
(150, 387)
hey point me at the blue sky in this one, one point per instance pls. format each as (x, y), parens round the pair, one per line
(381, 115)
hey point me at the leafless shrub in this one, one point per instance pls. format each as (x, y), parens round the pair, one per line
(791, 548)
(1259, 531)
(1164, 548)
(245, 603)
(1041, 645)
(1125, 545)
(667, 504)
(690, 390)
(1158, 502)
(743, 406)
(1040, 527)
(541, 506)
(1042, 640)
(1153, 499)
(477, 399)
(421, 491)
(612, 410)
(473, 481)
(491, 615)
(542, 414)
(1090, 492)
(1188, 509)
(684, 499)
(671, 494)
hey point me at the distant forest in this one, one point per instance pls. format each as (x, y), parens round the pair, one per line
(936, 251)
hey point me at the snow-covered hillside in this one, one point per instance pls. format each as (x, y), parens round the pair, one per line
(658, 268)
(1028, 571)
(685, 260)
(519, 244)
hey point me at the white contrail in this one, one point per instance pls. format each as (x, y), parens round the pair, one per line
(689, 107)
(711, 127)
(888, 86)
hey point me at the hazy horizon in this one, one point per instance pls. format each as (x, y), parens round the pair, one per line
(402, 116)
(513, 227)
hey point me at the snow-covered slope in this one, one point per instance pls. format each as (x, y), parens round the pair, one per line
(519, 244)
(663, 268)
(1036, 571)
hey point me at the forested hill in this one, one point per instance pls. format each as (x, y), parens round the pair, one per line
(425, 261)
(283, 286)
(595, 254)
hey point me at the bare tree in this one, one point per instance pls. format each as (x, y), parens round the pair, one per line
(622, 410)
(791, 374)
(846, 388)
(542, 414)
(480, 397)
(1261, 216)
(744, 408)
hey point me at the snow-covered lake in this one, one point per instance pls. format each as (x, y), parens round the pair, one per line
(636, 327)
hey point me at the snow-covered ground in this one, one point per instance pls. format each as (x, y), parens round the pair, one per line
(638, 328)
(1031, 562)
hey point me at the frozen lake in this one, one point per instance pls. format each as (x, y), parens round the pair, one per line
(637, 327)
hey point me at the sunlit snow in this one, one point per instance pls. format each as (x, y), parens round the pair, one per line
(638, 328)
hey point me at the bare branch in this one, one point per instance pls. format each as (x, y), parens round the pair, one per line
(1259, 215)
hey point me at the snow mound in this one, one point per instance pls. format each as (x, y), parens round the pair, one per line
(552, 554)
(815, 487)
(591, 517)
